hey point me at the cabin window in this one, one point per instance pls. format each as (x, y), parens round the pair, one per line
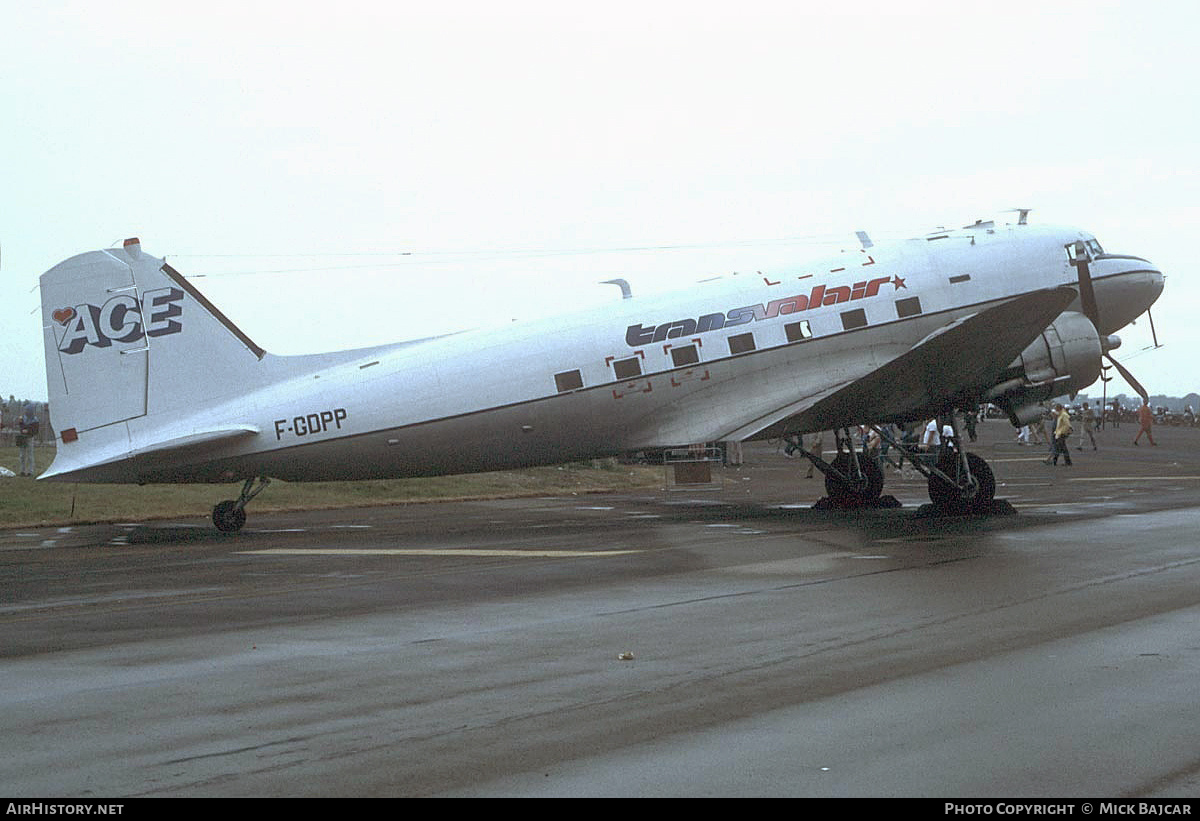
(741, 343)
(908, 307)
(798, 331)
(854, 319)
(960, 278)
(630, 368)
(685, 355)
(568, 381)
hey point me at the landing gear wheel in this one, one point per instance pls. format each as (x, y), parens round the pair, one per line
(854, 493)
(975, 497)
(228, 516)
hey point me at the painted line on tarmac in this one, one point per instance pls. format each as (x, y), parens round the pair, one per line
(465, 552)
(1162, 478)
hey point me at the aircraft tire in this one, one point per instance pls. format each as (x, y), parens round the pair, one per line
(854, 493)
(946, 495)
(228, 517)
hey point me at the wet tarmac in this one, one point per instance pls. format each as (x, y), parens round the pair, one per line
(665, 643)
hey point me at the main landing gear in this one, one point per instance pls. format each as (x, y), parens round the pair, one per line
(962, 482)
(230, 515)
(958, 482)
(852, 479)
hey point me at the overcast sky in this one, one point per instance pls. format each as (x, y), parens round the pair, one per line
(459, 162)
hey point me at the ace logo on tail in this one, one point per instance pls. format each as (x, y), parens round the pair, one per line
(120, 319)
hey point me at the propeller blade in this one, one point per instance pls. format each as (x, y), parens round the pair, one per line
(1087, 292)
(1128, 377)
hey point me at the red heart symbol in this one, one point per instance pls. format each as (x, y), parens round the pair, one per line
(63, 315)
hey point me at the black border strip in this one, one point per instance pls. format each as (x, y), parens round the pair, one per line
(180, 280)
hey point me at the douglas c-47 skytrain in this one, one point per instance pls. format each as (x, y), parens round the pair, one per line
(149, 382)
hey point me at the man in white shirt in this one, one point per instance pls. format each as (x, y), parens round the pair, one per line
(931, 439)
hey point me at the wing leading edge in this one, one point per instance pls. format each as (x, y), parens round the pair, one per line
(952, 364)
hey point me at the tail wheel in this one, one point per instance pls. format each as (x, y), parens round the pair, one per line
(862, 490)
(228, 516)
(975, 495)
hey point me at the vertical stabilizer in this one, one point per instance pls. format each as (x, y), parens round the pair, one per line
(126, 336)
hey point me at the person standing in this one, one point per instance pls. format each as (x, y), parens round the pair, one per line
(1062, 431)
(27, 430)
(910, 435)
(1040, 434)
(1048, 423)
(932, 439)
(1088, 416)
(873, 447)
(1145, 423)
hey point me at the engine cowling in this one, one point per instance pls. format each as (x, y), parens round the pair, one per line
(1065, 358)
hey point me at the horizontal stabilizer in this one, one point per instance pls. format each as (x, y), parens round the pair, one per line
(70, 464)
(208, 437)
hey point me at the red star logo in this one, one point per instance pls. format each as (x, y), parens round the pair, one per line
(898, 283)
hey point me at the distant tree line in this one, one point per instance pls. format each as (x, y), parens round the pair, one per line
(1174, 404)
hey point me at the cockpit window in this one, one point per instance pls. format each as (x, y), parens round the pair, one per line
(1083, 250)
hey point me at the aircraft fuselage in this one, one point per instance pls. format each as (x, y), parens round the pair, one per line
(734, 358)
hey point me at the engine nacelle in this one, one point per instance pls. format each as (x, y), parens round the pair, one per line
(1065, 358)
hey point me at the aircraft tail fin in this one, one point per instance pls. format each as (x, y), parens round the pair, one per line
(125, 336)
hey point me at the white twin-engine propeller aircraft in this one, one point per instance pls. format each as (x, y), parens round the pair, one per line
(149, 382)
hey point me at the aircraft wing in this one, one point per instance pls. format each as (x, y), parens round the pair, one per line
(954, 363)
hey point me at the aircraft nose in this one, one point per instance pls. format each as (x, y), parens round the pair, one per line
(1158, 281)
(1125, 288)
(1149, 281)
